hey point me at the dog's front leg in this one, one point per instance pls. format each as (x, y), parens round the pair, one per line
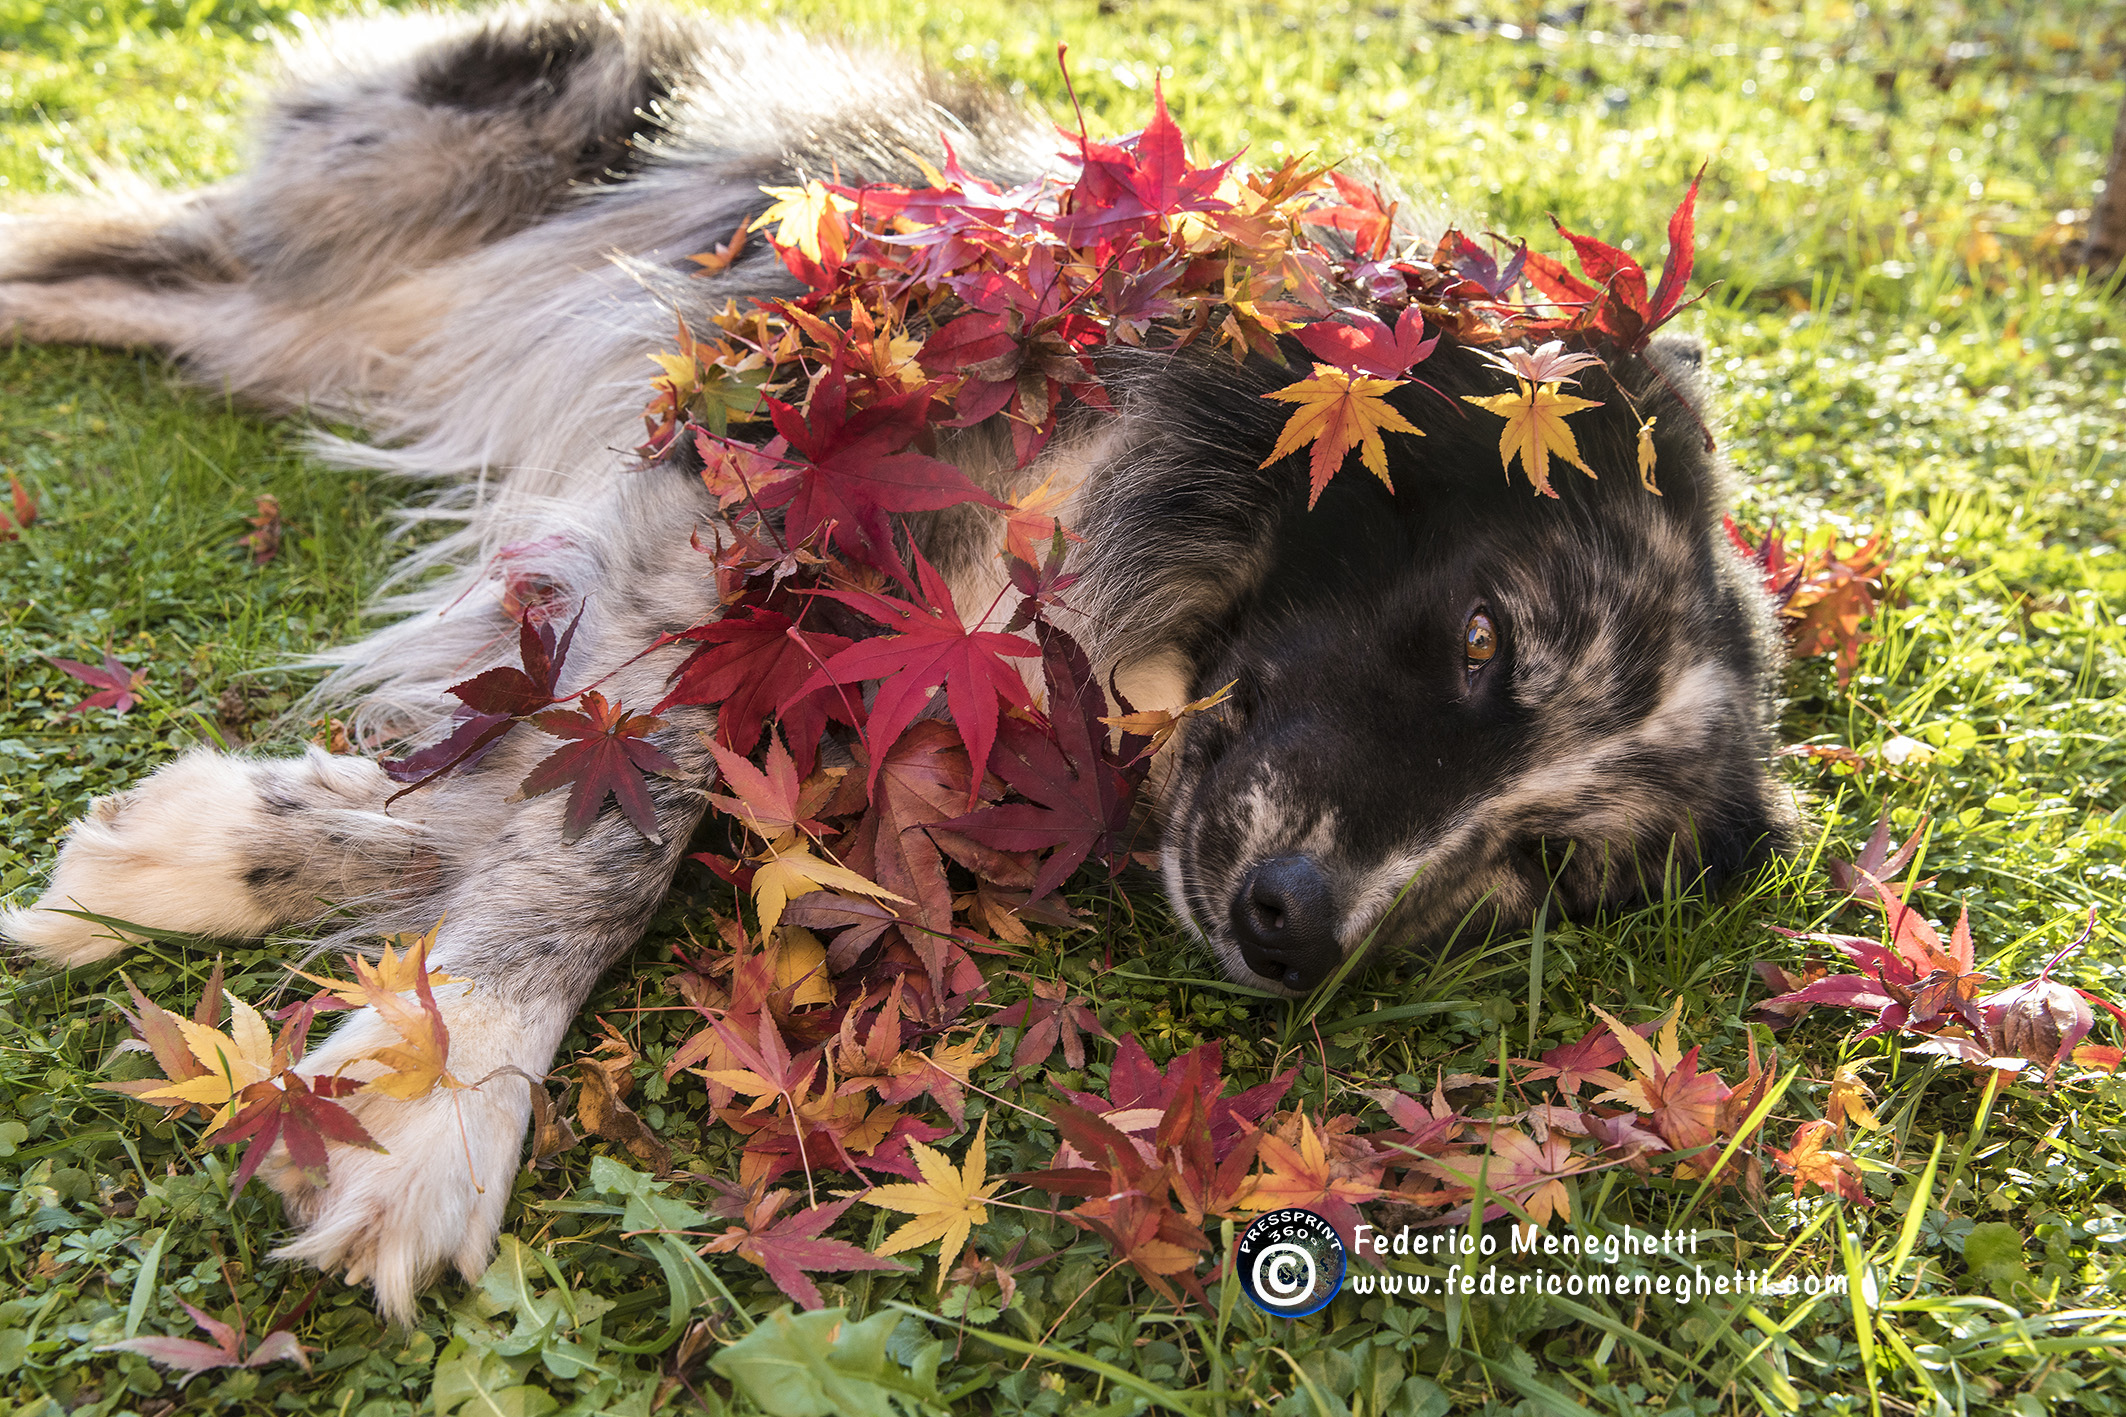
(531, 923)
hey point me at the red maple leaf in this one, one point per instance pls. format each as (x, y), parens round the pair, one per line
(1051, 1017)
(1127, 186)
(1358, 342)
(786, 1248)
(301, 1113)
(1078, 800)
(924, 779)
(116, 685)
(752, 666)
(1371, 224)
(1617, 302)
(933, 647)
(856, 467)
(491, 703)
(610, 756)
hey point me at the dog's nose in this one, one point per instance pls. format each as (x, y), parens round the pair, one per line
(1284, 919)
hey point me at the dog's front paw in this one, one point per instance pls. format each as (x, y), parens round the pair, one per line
(435, 1195)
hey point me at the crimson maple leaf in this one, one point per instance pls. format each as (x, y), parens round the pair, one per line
(491, 702)
(932, 647)
(1476, 265)
(1078, 800)
(856, 467)
(303, 1114)
(752, 666)
(609, 757)
(1050, 1017)
(1361, 343)
(1361, 213)
(115, 684)
(786, 1248)
(924, 779)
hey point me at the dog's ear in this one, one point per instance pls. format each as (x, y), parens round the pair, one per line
(1677, 367)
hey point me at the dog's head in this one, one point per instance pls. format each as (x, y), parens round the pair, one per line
(1453, 700)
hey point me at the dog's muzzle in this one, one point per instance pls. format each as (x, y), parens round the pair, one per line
(1284, 920)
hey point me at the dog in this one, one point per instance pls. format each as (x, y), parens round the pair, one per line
(1450, 702)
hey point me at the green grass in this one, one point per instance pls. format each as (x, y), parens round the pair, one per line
(1900, 343)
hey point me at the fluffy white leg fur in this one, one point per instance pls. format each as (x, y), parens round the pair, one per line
(179, 851)
(437, 1194)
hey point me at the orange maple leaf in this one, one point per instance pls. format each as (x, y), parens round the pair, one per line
(1812, 1163)
(1339, 411)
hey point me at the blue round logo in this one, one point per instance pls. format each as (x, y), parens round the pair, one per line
(1290, 1263)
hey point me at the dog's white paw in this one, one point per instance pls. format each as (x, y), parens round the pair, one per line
(435, 1197)
(169, 853)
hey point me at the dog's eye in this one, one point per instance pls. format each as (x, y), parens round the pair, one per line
(1480, 641)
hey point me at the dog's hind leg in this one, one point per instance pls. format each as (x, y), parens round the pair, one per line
(395, 148)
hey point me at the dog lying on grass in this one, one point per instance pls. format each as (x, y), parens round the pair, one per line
(1448, 701)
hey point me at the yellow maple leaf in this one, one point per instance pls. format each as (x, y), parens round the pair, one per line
(791, 872)
(1535, 429)
(1849, 1098)
(805, 217)
(233, 1060)
(800, 959)
(1646, 455)
(1160, 724)
(1651, 1059)
(419, 1066)
(946, 1203)
(1337, 412)
(395, 972)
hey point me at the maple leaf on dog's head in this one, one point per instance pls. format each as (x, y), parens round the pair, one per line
(1358, 342)
(1545, 364)
(610, 756)
(1156, 726)
(1338, 412)
(1535, 429)
(932, 647)
(116, 686)
(786, 1248)
(924, 779)
(1617, 302)
(1474, 264)
(946, 1203)
(1361, 213)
